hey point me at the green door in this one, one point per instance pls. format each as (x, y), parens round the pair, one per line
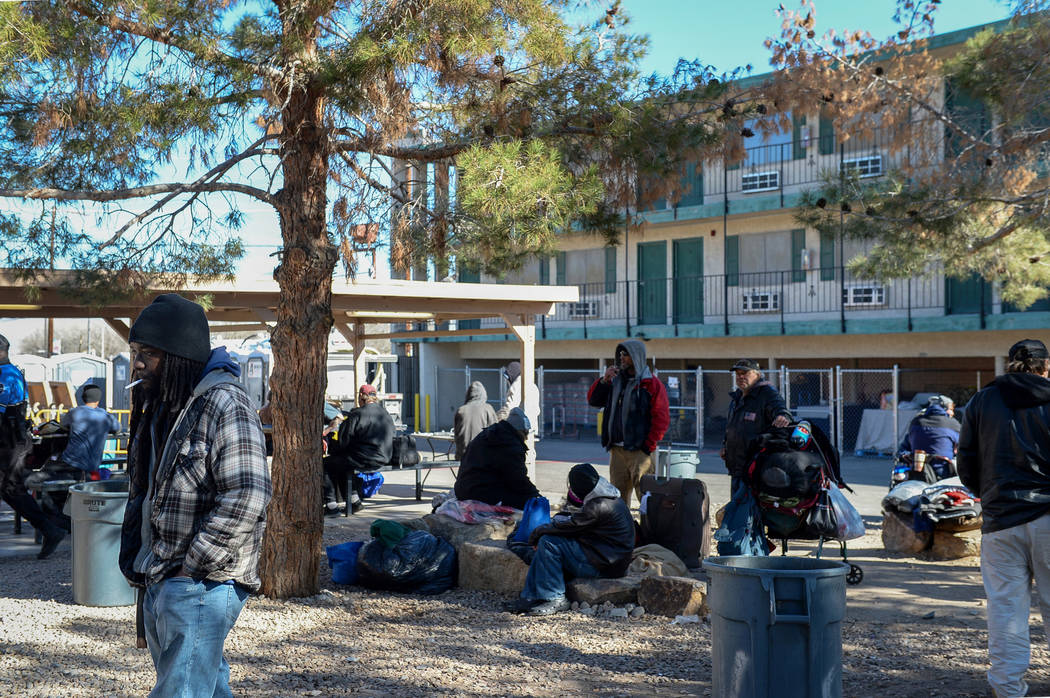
(689, 281)
(964, 296)
(652, 283)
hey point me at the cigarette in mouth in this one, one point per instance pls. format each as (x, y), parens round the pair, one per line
(131, 385)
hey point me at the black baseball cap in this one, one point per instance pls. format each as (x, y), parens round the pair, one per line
(746, 365)
(1028, 349)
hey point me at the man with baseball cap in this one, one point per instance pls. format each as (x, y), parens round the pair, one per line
(365, 444)
(199, 488)
(87, 426)
(754, 406)
(1003, 457)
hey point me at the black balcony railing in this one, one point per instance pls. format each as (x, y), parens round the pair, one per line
(750, 297)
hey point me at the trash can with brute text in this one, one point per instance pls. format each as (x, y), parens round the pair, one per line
(97, 511)
(776, 626)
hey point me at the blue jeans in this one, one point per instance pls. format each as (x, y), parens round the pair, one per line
(557, 559)
(187, 622)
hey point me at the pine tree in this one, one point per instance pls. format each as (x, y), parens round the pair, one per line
(162, 119)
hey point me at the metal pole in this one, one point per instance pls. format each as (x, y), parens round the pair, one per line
(699, 408)
(837, 401)
(539, 380)
(896, 406)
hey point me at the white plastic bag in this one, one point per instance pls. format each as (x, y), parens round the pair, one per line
(850, 524)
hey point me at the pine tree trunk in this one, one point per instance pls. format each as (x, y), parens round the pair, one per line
(291, 555)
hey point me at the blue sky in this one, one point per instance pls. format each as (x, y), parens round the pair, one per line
(731, 34)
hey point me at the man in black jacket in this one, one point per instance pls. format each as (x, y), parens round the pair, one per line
(594, 537)
(365, 444)
(1004, 457)
(493, 469)
(754, 407)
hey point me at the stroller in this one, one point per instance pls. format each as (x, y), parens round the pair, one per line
(787, 476)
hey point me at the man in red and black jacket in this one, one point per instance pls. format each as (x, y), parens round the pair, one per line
(635, 418)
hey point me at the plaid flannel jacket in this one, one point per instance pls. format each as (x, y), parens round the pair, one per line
(211, 490)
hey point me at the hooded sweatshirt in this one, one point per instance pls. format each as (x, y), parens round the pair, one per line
(475, 414)
(602, 526)
(1004, 450)
(933, 431)
(637, 412)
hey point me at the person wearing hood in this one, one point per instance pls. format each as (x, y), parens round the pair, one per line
(592, 537)
(474, 415)
(754, 406)
(493, 467)
(15, 444)
(199, 488)
(636, 416)
(935, 431)
(1004, 457)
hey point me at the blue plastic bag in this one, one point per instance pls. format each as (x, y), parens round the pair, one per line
(342, 559)
(537, 512)
(370, 483)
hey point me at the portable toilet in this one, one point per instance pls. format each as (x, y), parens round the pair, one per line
(121, 398)
(81, 369)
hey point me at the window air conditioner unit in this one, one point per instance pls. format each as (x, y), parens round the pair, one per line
(867, 295)
(761, 301)
(760, 181)
(870, 166)
(583, 309)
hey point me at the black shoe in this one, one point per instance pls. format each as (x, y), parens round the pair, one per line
(519, 605)
(546, 608)
(51, 541)
(355, 503)
(334, 511)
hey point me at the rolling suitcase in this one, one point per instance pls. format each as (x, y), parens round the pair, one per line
(677, 516)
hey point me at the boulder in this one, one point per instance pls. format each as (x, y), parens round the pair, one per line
(954, 545)
(898, 536)
(490, 566)
(457, 533)
(599, 591)
(673, 596)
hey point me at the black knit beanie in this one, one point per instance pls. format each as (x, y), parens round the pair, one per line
(174, 325)
(4, 344)
(512, 371)
(582, 479)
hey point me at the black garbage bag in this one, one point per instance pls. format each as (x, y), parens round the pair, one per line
(421, 563)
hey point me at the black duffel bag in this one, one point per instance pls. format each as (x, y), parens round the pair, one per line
(404, 453)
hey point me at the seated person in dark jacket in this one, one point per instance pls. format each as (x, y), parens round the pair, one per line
(594, 537)
(935, 431)
(493, 468)
(366, 443)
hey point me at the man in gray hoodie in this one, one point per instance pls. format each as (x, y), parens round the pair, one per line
(636, 416)
(474, 415)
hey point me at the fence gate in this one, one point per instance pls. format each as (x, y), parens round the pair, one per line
(685, 410)
(866, 410)
(563, 400)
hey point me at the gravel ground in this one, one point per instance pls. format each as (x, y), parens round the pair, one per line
(912, 628)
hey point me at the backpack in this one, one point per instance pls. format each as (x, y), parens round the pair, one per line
(404, 453)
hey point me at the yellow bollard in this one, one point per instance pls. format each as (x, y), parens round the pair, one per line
(428, 415)
(415, 413)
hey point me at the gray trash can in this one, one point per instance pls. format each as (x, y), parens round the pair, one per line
(776, 626)
(679, 463)
(97, 510)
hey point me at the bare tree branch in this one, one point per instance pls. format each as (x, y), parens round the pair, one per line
(136, 192)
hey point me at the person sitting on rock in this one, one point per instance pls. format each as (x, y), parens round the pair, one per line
(592, 537)
(493, 469)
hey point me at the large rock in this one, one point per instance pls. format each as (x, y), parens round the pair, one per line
(898, 536)
(954, 545)
(673, 596)
(457, 533)
(598, 591)
(489, 566)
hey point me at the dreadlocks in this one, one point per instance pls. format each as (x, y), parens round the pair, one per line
(178, 377)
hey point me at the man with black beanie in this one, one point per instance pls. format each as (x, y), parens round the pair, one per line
(1003, 457)
(200, 485)
(592, 537)
(15, 443)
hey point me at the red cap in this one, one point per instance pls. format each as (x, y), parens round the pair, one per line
(367, 389)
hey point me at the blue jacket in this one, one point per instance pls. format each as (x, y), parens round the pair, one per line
(12, 386)
(933, 431)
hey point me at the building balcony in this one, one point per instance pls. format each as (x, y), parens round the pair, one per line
(801, 301)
